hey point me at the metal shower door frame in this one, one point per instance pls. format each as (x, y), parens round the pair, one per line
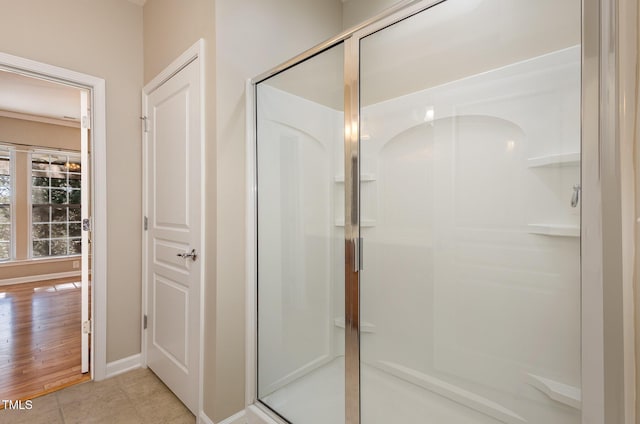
(598, 81)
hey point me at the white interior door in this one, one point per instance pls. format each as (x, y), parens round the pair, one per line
(174, 152)
(85, 213)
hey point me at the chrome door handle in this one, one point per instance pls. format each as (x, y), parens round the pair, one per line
(575, 197)
(186, 255)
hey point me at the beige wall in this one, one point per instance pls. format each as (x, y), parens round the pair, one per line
(32, 133)
(170, 28)
(636, 275)
(242, 38)
(356, 11)
(252, 37)
(102, 38)
(11, 270)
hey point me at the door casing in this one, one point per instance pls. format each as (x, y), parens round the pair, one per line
(96, 86)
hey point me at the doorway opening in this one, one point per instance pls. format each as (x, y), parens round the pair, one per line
(47, 255)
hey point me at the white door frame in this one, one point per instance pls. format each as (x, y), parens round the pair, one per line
(96, 86)
(196, 51)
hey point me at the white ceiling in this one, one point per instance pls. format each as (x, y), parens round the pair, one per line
(33, 96)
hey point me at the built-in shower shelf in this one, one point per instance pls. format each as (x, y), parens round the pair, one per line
(363, 178)
(563, 159)
(554, 230)
(365, 327)
(560, 392)
(363, 223)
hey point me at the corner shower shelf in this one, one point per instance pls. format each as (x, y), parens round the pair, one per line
(554, 230)
(365, 327)
(560, 392)
(363, 178)
(563, 159)
(363, 223)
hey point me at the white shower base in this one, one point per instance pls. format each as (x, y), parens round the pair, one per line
(318, 398)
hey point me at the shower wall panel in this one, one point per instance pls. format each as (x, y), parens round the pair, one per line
(471, 285)
(296, 261)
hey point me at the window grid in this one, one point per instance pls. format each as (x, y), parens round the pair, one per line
(55, 197)
(6, 199)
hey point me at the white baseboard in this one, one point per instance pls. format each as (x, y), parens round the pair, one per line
(237, 418)
(41, 277)
(123, 365)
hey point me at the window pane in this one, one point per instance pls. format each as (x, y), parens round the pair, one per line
(5, 181)
(5, 214)
(40, 179)
(74, 197)
(59, 247)
(58, 196)
(5, 232)
(59, 231)
(74, 180)
(41, 213)
(39, 196)
(5, 204)
(5, 195)
(41, 231)
(75, 246)
(59, 182)
(40, 248)
(74, 166)
(55, 184)
(5, 163)
(74, 230)
(40, 162)
(74, 214)
(5, 248)
(58, 214)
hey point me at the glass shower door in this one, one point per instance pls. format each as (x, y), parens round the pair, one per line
(470, 215)
(300, 286)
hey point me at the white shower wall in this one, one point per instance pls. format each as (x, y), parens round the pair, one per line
(471, 289)
(472, 257)
(298, 245)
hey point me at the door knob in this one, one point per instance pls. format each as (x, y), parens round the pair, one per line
(186, 255)
(575, 197)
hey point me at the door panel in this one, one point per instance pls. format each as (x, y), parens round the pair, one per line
(173, 298)
(174, 152)
(301, 240)
(469, 154)
(172, 161)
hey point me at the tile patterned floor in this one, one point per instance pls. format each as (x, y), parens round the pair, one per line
(136, 397)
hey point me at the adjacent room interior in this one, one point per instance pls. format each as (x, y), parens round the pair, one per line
(41, 238)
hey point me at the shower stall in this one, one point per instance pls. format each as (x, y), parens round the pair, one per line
(418, 220)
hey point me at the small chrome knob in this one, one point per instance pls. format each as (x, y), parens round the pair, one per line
(575, 197)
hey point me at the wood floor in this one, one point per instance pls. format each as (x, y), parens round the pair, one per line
(39, 338)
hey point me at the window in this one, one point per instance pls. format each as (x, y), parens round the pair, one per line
(5, 203)
(55, 200)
